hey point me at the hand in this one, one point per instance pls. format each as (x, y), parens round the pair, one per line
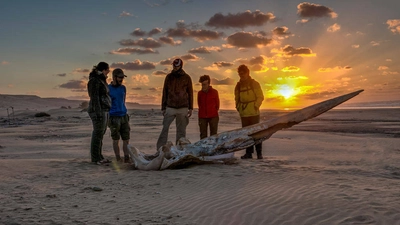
(190, 113)
(163, 112)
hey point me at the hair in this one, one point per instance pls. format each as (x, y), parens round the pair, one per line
(243, 68)
(101, 66)
(204, 78)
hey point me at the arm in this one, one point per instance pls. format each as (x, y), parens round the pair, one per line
(93, 90)
(217, 99)
(190, 93)
(164, 95)
(237, 96)
(259, 95)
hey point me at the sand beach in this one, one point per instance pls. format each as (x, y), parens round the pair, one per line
(342, 167)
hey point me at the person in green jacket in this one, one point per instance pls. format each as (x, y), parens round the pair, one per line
(248, 98)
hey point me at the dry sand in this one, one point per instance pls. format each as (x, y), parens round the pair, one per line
(342, 167)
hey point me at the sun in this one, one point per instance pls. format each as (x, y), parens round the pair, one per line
(286, 91)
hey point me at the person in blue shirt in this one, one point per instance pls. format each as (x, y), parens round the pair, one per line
(119, 118)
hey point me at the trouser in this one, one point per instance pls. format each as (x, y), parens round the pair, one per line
(203, 124)
(247, 121)
(99, 129)
(181, 123)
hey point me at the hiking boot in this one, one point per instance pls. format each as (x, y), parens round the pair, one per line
(259, 154)
(247, 156)
(126, 159)
(118, 158)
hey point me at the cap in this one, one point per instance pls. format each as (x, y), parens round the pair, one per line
(177, 62)
(118, 73)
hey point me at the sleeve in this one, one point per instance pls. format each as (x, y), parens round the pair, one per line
(217, 99)
(164, 94)
(259, 94)
(237, 95)
(190, 92)
(124, 94)
(94, 94)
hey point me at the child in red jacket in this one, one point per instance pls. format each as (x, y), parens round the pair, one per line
(208, 102)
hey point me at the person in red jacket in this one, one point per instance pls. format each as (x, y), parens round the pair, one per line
(208, 102)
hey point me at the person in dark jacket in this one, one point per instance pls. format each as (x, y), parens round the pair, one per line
(208, 103)
(119, 118)
(177, 102)
(99, 106)
(248, 98)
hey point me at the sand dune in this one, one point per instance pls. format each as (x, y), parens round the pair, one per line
(342, 167)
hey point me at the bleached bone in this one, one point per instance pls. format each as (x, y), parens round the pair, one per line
(225, 143)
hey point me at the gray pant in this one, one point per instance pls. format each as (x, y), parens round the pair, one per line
(181, 123)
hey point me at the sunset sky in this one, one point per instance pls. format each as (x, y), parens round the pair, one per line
(300, 52)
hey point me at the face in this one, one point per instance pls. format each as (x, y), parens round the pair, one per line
(175, 68)
(105, 72)
(205, 85)
(243, 75)
(118, 80)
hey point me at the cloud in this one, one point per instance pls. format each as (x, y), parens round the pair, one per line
(240, 20)
(154, 31)
(141, 33)
(61, 74)
(140, 79)
(127, 51)
(205, 50)
(159, 73)
(74, 84)
(145, 43)
(79, 70)
(310, 10)
(394, 25)
(223, 64)
(335, 27)
(155, 4)
(136, 88)
(355, 46)
(289, 50)
(125, 14)
(226, 81)
(135, 65)
(5, 63)
(200, 35)
(170, 41)
(138, 33)
(281, 31)
(383, 68)
(375, 43)
(290, 69)
(187, 57)
(248, 40)
(334, 69)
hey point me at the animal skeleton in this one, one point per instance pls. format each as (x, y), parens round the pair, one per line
(226, 143)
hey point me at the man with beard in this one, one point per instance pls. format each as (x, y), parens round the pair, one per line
(177, 102)
(248, 98)
(119, 119)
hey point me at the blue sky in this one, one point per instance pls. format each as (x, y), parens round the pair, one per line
(300, 52)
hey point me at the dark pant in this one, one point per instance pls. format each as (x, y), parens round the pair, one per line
(203, 124)
(247, 121)
(99, 129)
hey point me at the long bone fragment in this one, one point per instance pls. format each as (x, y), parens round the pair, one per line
(227, 142)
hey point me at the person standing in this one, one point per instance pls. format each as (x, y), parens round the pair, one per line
(119, 118)
(98, 109)
(208, 103)
(248, 98)
(176, 103)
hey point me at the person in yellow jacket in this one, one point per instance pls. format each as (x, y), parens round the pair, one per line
(248, 98)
